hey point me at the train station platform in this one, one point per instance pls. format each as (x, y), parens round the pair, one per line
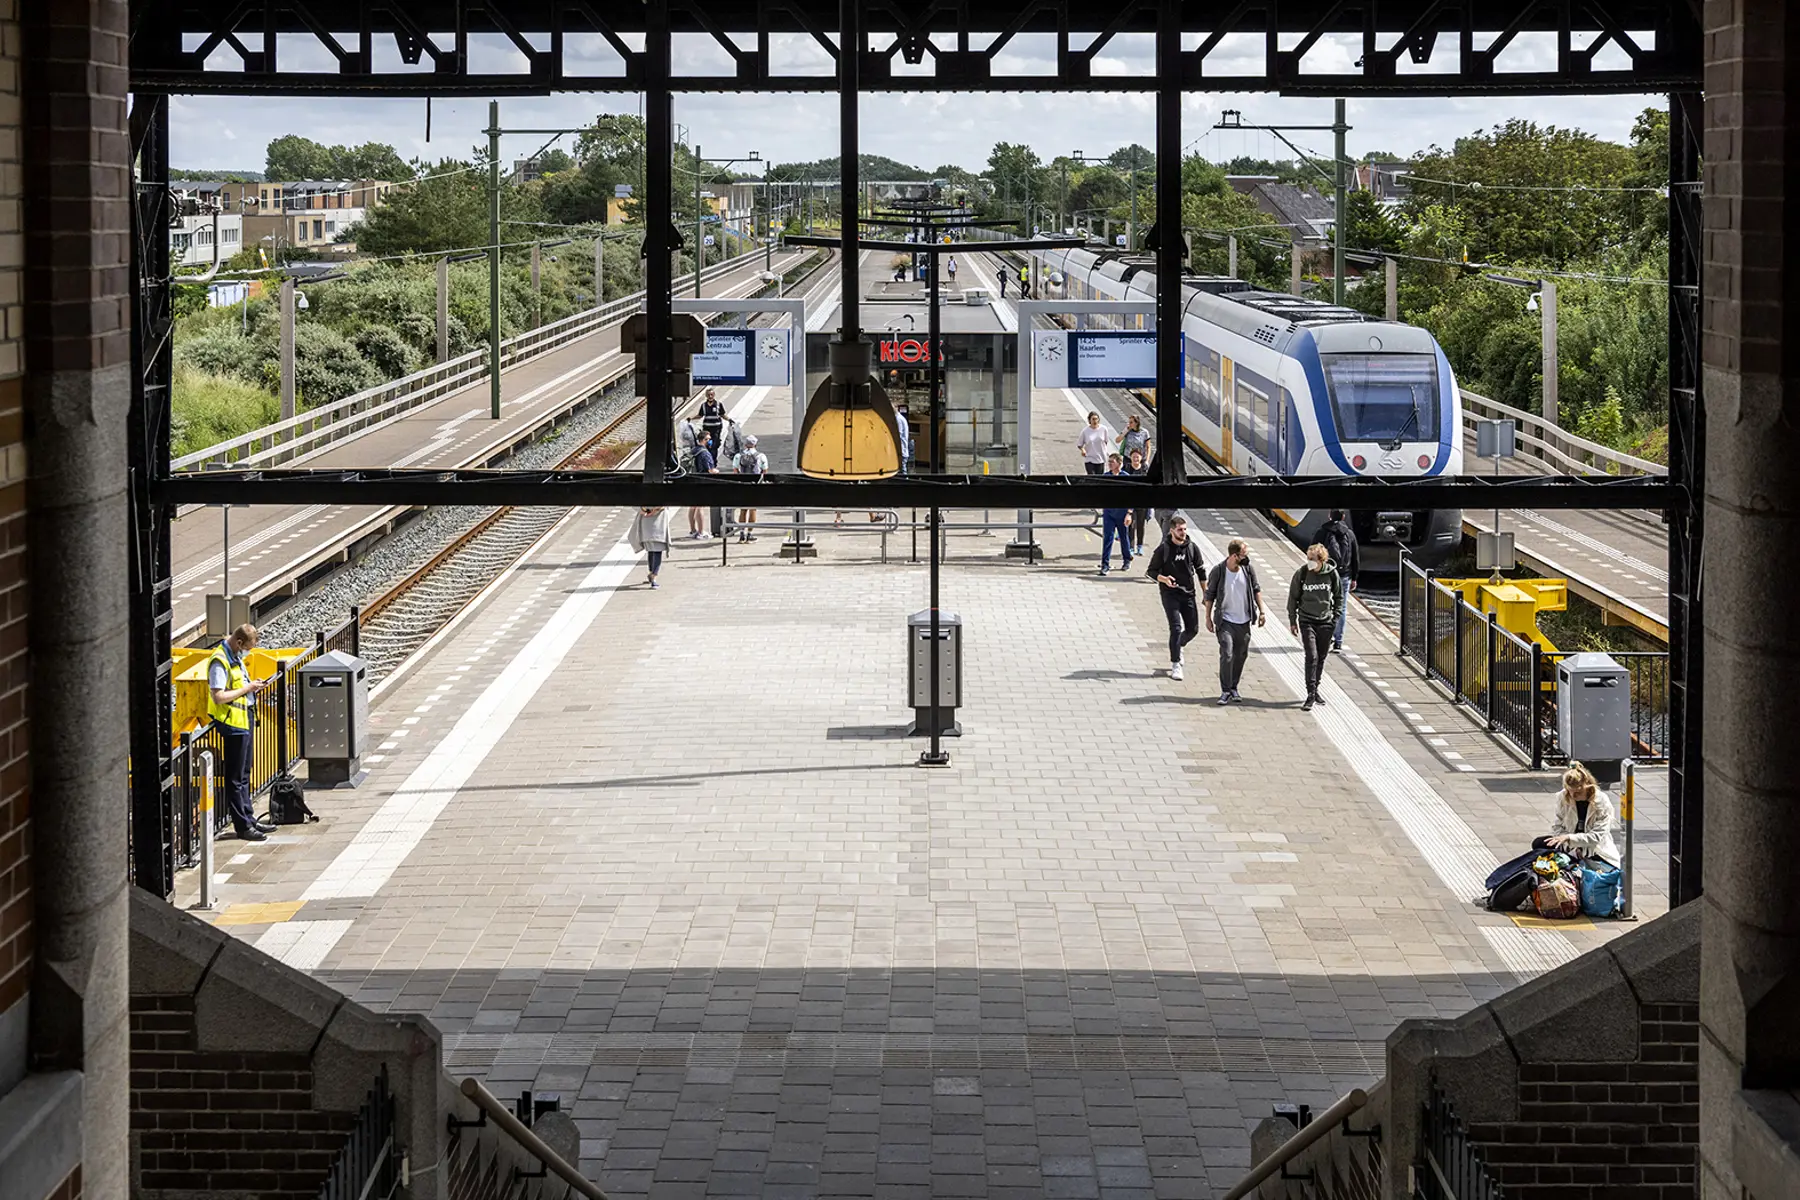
(668, 854)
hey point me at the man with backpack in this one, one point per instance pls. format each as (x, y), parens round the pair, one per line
(753, 463)
(1339, 541)
(1177, 568)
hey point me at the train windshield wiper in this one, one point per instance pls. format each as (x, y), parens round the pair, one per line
(1411, 422)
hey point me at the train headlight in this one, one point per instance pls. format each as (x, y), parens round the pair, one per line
(1424, 461)
(1359, 462)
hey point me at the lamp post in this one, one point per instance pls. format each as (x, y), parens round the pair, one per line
(700, 165)
(1543, 299)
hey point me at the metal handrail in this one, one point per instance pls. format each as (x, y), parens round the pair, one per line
(1555, 442)
(1321, 1125)
(491, 1106)
(289, 435)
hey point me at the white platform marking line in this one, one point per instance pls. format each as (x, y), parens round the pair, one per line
(1443, 838)
(302, 945)
(369, 861)
(1618, 556)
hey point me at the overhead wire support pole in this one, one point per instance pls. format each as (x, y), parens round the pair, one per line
(1338, 129)
(493, 132)
(1173, 464)
(659, 235)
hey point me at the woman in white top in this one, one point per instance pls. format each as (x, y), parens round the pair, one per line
(1585, 818)
(650, 536)
(1095, 443)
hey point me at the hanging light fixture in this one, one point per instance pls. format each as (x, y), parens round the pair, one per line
(850, 430)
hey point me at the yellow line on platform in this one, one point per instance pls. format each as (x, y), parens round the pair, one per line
(1528, 921)
(272, 913)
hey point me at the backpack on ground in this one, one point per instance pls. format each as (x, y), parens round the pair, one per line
(1512, 892)
(287, 802)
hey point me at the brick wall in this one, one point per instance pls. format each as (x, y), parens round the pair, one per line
(1627, 1130)
(235, 1122)
(15, 834)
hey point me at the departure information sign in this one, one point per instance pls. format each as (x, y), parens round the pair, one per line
(743, 357)
(1112, 359)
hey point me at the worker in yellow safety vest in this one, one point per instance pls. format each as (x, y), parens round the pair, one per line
(230, 706)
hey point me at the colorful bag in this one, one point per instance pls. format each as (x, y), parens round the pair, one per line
(1557, 898)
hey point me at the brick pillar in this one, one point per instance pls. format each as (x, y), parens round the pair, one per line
(78, 383)
(1750, 956)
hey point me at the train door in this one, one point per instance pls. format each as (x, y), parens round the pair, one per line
(1227, 411)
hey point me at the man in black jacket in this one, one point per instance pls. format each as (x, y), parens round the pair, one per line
(1176, 567)
(1339, 541)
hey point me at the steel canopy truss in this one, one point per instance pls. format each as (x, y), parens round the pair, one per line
(441, 47)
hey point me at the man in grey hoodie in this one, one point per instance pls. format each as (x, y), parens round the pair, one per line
(1233, 601)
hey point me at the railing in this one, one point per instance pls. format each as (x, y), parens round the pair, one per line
(1327, 1121)
(1449, 1168)
(1510, 681)
(300, 435)
(553, 1163)
(1555, 445)
(368, 1167)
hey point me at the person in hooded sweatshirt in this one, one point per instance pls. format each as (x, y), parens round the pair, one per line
(1312, 614)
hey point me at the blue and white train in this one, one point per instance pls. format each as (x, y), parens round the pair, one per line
(1283, 385)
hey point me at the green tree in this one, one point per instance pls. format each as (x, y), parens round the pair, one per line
(446, 210)
(371, 160)
(294, 157)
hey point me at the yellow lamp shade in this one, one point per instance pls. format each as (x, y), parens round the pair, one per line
(849, 432)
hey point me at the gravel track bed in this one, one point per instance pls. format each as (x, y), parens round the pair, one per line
(327, 603)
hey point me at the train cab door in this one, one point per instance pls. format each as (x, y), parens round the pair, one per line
(1227, 412)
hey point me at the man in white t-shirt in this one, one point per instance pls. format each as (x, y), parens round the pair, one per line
(1094, 443)
(1233, 602)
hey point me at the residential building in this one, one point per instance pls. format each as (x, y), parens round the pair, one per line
(201, 239)
(1387, 180)
(1307, 214)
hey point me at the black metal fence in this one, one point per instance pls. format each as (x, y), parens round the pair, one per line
(1450, 1167)
(1511, 681)
(367, 1168)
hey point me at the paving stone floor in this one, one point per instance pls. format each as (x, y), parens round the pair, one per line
(677, 865)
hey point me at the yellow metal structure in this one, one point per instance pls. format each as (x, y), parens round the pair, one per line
(190, 680)
(1516, 603)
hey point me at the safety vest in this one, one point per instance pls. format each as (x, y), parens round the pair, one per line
(234, 714)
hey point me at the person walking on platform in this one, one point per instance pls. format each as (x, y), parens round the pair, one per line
(1140, 517)
(1312, 614)
(704, 464)
(230, 707)
(1176, 566)
(686, 433)
(1002, 274)
(1094, 443)
(1233, 601)
(750, 463)
(1135, 439)
(712, 419)
(1114, 523)
(650, 536)
(950, 268)
(1339, 541)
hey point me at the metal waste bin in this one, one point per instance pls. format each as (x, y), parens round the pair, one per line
(1593, 712)
(918, 672)
(334, 718)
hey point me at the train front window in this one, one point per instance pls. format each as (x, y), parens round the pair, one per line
(1383, 397)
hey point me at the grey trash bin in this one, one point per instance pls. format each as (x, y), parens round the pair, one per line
(1593, 712)
(918, 672)
(334, 718)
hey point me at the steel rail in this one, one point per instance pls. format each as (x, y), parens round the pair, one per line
(1321, 1125)
(490, 1106)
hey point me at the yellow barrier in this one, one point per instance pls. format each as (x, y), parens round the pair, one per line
(190, 680)
(1516, 603)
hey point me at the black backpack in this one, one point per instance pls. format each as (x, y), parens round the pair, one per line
(1336, 540)
(287, 802)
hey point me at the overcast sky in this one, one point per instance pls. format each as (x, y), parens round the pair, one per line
(925, 130)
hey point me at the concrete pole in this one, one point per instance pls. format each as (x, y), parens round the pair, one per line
(287, 348)
(699, 254)
(1548, 301)
(599, 271)
(1231, 253)
(1294, 269)
(537, 283)
(443, 310)
(1393, 289)
(1338, 129)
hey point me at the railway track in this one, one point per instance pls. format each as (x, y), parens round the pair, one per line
(405, 616)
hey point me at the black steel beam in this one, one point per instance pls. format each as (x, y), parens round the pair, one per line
(660, 240)
(622, 488)
(1171, 468)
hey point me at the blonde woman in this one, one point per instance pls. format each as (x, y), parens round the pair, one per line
(1312, 615)
(1585, 818)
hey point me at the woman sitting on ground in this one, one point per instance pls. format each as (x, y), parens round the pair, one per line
(1585, 819)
